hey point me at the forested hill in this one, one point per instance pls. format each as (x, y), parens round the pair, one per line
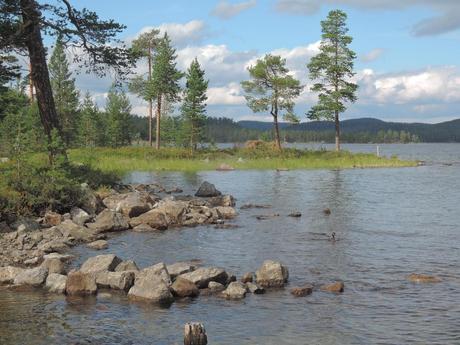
(441, 132)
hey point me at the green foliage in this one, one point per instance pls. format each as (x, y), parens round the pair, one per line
(194, 105)
(332, 69)
(145, 44)
(118, 118)
(91, 127)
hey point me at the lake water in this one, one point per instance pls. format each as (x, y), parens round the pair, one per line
(389, 222)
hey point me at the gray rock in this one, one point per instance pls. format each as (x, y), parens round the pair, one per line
(254, 288)
(180, 268)
(115, 280)
(127, 265)
(174, 211)
(184, 288)
(159, 270)
(32, 277)
(81, 284)
(69, 229)
(143, 228)
(151, 288)
(100, 263)
(272, 274)
(109, 220)
(216, 287)
(247, 277)
(98, 245)
(53, 266)
(154, 218)
(9, 273)
(62, 257)
(79, 216)
(302, 291)
(203, 275)
(90, 202)
(25, 224)
(56, 283)
(235, 290)
(226, 212)
(131, 204)
(207, 190)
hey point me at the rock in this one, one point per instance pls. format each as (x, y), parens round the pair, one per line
(115, 280)
(90, 202)
(207, 190)
(151, 288)
(131, 204)
(302, 291)
(180, 268)
(53, 266)
(52, 219)
(143, 228)
(159, 270)
(225, 167)
(79, 216)
(255, 289)
(250, 206)
(154, 218)
(61, 257)
(32, 261)
(81, 284)
(128, 265)
(226, 212)
(272, 274)
(336, 287)
(98, 245)
(4, 228)
(247, 277)
(327, 211)
(109, 220)
(56, 283)
(25, 224)
(184, 288)
(203, 275)
(69, 229)
(216, 287)
(58, 245)
(235, 290)
(267, 216)
(295, 215)
(423, 278)
(100, 263)
(32, 277)
(9, 273)
(223, 200)
(174, 211)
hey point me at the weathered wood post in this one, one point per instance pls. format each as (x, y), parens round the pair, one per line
(195, 334)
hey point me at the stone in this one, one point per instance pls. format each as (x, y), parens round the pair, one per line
(423, 278)
(174, 211)
(151, 288)
(69, 229)
(25, 224)
(180, 268)
(108, 221)
(52, 219)
(295, 215)
(81, 284)
(203, 275)
(154, 218)
(31, 277)
(254, 288)
(159, 270)
(226, 212)
(143, 228)
(79, 216)
(247, 277)
(336, 287)
(131, 204)
(56, 283)
(235, 290)
(302, 291)
(100, 263)
(53, 266)
(327, 211)
(184, 288)
(216, 287)
(58, 245)
(98, 245)
(115, 280)
(127, 265)
(195, 334)
(222, 200)
(61, 257)
(272, 274)
(91, 203)
(8, 274)
(4, 228)
(267, 216)
(251, 206)
(207, 190)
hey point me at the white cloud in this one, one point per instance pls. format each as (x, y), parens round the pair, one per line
(227, 10)
(373, 55)
(230, 94)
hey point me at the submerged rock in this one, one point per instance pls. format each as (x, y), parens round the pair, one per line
(151, 288)
(302, 291)
(203, 275)
(235, 290)
(81, 284)
(56, 283)
(295, 215)
(423, 278)
(272, 274)
(207, 190)
(100, 263)
(32, 277)
(337, 287)
(184, 288)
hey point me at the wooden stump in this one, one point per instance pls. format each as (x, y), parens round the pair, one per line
(195, 334)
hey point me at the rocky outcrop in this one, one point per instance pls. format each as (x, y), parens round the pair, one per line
(131, 204)
(31, 277)
(108, 221)
(180, 268)
(272, 274)
(100, 263)
(235, 290)
(207, 190)
(151, 288)
(81, 284)
(115, 280)
(174, 211)
(154, 218)
(56, 283)
(184, 288)
(203, 275)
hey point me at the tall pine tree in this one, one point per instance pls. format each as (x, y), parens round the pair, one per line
(90, 127)
(64, 92)
(118, 118)
(194, 105)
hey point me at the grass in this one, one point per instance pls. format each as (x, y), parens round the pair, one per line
(123, 160)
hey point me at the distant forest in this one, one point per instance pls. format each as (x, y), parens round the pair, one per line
(365, 130)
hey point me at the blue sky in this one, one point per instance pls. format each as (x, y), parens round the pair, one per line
(408, 50)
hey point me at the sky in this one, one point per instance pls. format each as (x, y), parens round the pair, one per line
(408, 51)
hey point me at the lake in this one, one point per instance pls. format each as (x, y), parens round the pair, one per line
(389, 223)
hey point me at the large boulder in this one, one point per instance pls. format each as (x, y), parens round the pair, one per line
(32, 277)
(8, 274)
(100, 263)
(174, 211)
(159, 270)
(69, 229)
(81, 284)
(203, 275)
(151, 288)
(222, 200)
(235, 290)
(272, 274)
(61, 257)
(56, 283)
(154, 218)
(131, 204)
(53, 266)
(98, 245)
(79, 216)
(184, 288)
(207, 190)
(52, 219)
(109, 220)
(226, 212)
(90, 203)
(254, 288)
(115, 280)
(127, 265)
(180, 268)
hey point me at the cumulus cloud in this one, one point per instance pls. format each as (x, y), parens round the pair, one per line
(373, 55)
(230, 94)
(446, 19)
(227, 10)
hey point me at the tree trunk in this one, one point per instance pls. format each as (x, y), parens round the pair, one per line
(39, 69)
(195, 334)
(158, 122)
(150, 100)
(31, 85)
(337, 131)
(277, 133)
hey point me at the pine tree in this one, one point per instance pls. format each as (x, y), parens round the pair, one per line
(118, 118)
(165, 80)
(332, 69)
(90, 127)
(64, 92)
(194, 105)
